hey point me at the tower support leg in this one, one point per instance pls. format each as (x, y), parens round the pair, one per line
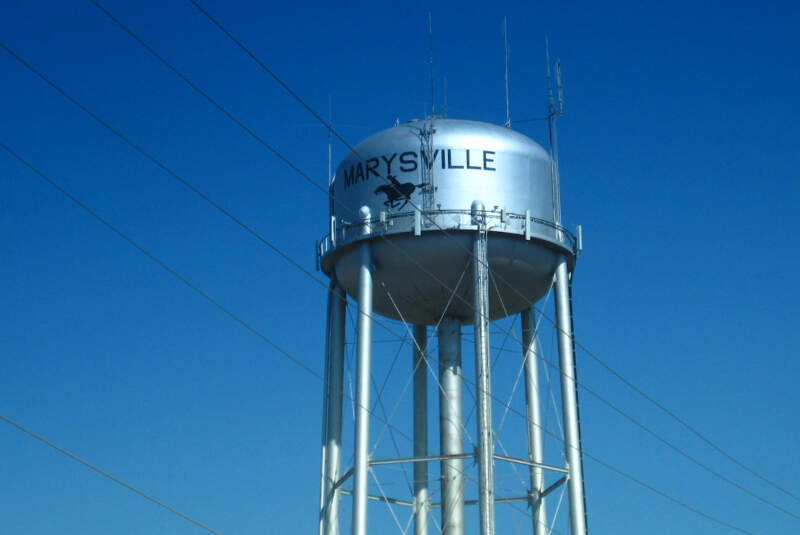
(450, 426)
(421, 502)
(533, 406)
(483, 381)
(569, 398)
(363, 373)
(332, 410)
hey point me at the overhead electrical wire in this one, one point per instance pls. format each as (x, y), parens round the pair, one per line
(294, 359)
(194, 189)
(194, 288)
(175, 175)
(141, 150)
(677, 449)
(667, 442)
(609, 368)
(228, 114)
(258, 138)
(108, 475)
(614, 372)
(284, 352)
(157, 260)
(145, 153)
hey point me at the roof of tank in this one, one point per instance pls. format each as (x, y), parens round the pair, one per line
(455, 132)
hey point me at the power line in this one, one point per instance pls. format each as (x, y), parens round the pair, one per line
(141, 150)
(328, 125)
(157, 260)
(679, 450)
(606, 366)
(258, 138)
(670, 444)
(237, 121)
(194, 86)
(194, 288)
(508, 407)
(194, 189)
(223, 210)
(106, 474)
(269, 71)
(685, 424)
(282, 157)
(668, 497)
(189, 185)
(250, 230)
(284, 352)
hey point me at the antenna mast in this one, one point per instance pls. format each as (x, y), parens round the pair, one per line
(445, 97)
(430, 54)
(505, 42)
(553, 112)
(426, 136)
(330, 122)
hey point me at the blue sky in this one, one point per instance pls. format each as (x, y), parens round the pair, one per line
(678, 157)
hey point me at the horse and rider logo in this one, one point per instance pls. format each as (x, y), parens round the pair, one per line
(397, 194)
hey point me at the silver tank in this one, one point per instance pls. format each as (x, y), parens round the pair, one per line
(419, 181)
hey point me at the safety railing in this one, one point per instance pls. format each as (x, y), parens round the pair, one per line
(345, 232)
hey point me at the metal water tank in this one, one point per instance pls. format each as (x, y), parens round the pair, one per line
(418, 182)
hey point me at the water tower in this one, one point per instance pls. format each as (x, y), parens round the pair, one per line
(411, 207)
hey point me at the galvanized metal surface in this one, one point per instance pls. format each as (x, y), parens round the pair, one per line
(569, 400)
(421, 273)
(363, 385)
(332, 411)
(420, 374)
(470, 160)
(437, 262)
(483, 370)
(530, 348)
(419, 256)
(423, 459)
(499, 220)
(527, 462)
(323, 487)
(450, 426)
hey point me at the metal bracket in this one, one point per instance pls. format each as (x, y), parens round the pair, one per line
(553, 487)
(527, 225)
(426, 458)
(386, 499)
(530, 463)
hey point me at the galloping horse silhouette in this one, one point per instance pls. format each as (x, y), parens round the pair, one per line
(396, 192)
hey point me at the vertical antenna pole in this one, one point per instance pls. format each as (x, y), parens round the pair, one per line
(430, 52)
(557, 111)
(363, 373)
(550, 102)
(483, 383)
(560, 87)
(450, 426)
(323, 487)
(420, 371)
(552, 119)
(330, 124)
(533, 405)
(569, 399)
(427, 168)
(508, 100)
(330, 169)
(332, 410)
(445, 97)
